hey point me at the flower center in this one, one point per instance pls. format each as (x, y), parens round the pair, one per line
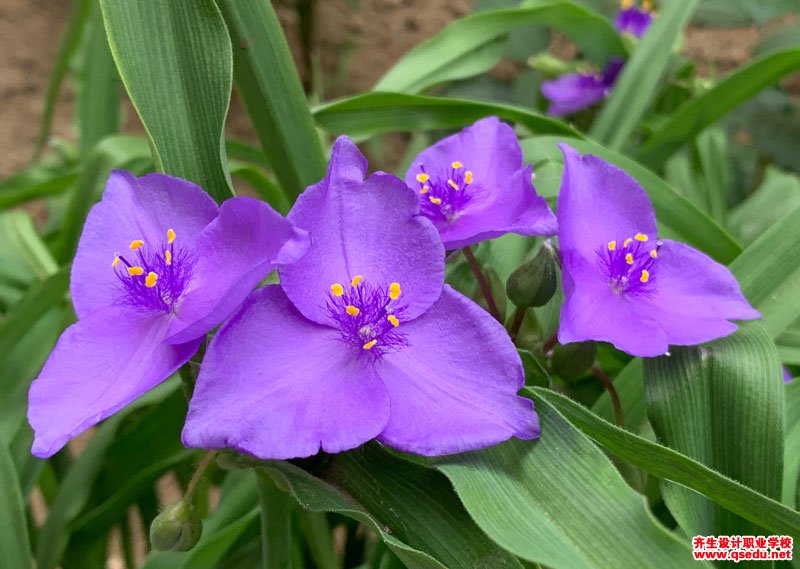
(442, 198)
(153, 276)
(368, 316)
(630, 265)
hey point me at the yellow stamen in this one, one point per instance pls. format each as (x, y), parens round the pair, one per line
(456, 165)
(168, 256)
(625, 4)
(337, 289)
(356, 280)
(647, 5)
(422, 178)
(394, 291)
(629, 258)
(645, 276)
(135, 271)
(452, 184)
(170, 235)
(424, 190)
(468, 177)
(654, 253)
(435, 201)
(136, 243)
(352, 310)
(640, 237)
(627, 242)
(115, 262)
(393, 319)
(369, 345)
(150, 279)
(612, 245)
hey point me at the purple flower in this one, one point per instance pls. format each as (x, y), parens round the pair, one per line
(633, 20)
(622, 284)
(360, 341)
(158, 265)
(575, 91)
(474, 186)
(787, 375)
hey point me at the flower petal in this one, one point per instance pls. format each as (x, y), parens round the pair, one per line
(234, 253)
(99, 365)
(599, 203)
(454, 387)
(593, 311)
(132, 208)
(277, 386)
(573, 92)
(695, 297)
(368, 228)
(633, 20)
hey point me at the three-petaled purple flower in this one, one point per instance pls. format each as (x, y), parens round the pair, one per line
(621, 283)
(632, 19)
(361, 340)
(474, 185)
(158, 265)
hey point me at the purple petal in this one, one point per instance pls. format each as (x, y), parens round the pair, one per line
(132, 208)
(234, 253)
(592, 310)
(500, 198)
(362, 228)
(573, 92)
(633, 20)
(277, 386)
(454, 387)
(599, 203)
(99, 365)
(787, 375)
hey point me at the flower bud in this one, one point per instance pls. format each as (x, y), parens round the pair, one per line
(177, 528)
(533, 283)
(572, 361)
(549, 65)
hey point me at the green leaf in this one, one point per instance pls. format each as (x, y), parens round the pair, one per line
(265, 186)
(638, 83)
(13, 193)
(711, 149)
(470, 45)
(777, 195)
(721, 404)
(668, 464)
(791, 453)
(267, 82)
(276, 524)
(542, 501)
(363, 116)
(698, 113)
(676, 215)
(176, 63)
(14, 533)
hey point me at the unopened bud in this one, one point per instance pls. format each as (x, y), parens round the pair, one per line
(177, 528)
(572, 361)
(550, 66)
(533, 283)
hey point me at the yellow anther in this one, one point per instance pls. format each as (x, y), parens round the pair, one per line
(629, 258)
(393, 319)
(115, 262)
(645, 276)
(435, 201)
(424, 190)
(654, 253)
(422, 178)
(456, 165)
(356, 280)
(394, 291)
(369, 345)
(337, 289)
(627, 242)
(452, 184)
(647, 5)
(352, 310)
(150, 279)
(612, 245)
(640, 237)
(168, 257)
(625, 4)
(170, 235)
(136, 243)
(468, 177)
(135, 271)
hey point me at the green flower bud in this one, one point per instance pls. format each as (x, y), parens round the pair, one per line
(572, 361)
(533, 283)
(177, 528)
(549, 65)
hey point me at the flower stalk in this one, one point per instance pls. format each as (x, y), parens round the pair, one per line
(483, 283)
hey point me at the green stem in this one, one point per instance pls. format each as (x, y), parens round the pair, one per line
(486, 290)
(276, 524)
(516, 324)
(612, 392)
(198, 476)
